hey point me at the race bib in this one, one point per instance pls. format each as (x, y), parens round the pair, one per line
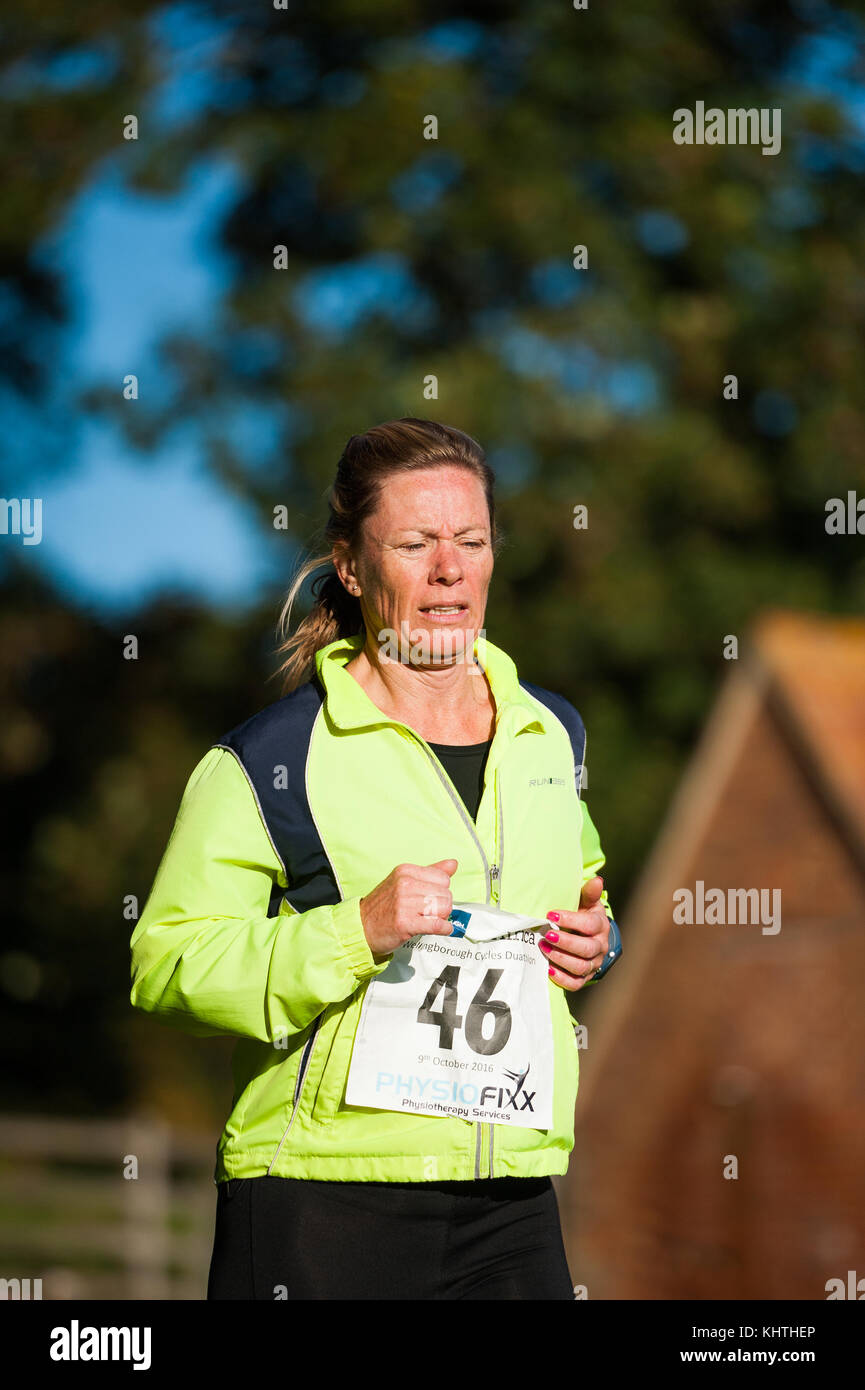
(460, 1025)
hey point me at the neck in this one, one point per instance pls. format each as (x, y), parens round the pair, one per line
(434, 696)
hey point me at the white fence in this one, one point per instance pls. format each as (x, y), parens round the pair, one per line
(69, 1216)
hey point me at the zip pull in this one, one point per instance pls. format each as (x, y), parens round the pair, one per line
(494, 874)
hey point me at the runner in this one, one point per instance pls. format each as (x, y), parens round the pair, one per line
(385, 886)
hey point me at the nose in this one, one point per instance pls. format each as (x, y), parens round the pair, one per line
(446, 562)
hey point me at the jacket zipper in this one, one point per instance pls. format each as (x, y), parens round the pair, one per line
(491, 871)
(493, 875)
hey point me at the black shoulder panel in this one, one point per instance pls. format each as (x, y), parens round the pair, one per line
(564, 710)
(271, 747)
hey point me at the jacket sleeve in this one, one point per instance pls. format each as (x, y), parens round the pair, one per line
(206, 957)
(593, 861)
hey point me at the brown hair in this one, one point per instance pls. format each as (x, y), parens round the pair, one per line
(367, 461)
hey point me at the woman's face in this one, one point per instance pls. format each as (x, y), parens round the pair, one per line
(426, 548)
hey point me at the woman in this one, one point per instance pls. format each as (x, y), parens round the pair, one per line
(307, 886)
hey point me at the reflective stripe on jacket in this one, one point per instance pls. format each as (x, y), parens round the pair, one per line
(252, 927)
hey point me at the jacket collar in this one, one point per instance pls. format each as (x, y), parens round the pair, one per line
(349, 706)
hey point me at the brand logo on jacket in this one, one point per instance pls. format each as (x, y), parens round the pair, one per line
(548, 782)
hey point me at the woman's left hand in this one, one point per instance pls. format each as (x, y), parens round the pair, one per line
(577, 942)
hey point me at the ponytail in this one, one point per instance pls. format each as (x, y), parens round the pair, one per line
(335, 613)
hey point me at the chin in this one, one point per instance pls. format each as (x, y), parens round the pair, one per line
(429, 644)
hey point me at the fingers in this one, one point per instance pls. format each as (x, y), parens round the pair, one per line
(436, 905)
(573, 959)
(414, 900)
(576, 944)
(434, 913)
(431, 878)
(449, 866)
(591, 891)
(587, 921)
(423, 891)
(572, 964)
(566, 980)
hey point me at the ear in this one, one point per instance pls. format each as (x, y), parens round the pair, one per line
(344, 566)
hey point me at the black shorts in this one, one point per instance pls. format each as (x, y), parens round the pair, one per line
(279, 1238)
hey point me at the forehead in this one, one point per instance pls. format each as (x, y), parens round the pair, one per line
(444, 496)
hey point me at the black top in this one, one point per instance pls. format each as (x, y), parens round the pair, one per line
(464, 763)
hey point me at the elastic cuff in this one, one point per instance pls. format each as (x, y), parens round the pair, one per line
(348, 926)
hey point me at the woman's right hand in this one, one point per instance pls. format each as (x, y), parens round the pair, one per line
(414, 899)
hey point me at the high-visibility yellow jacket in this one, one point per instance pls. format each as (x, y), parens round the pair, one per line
(252, 927)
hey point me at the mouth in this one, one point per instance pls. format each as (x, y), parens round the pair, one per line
(445, 612)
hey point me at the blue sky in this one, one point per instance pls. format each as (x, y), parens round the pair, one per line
(120, 527)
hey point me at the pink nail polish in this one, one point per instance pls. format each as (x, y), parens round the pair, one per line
(551, 936)
(551, 972)
(545, 945)
(552, 916)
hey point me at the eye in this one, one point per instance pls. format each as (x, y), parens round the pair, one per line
(419, 545)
